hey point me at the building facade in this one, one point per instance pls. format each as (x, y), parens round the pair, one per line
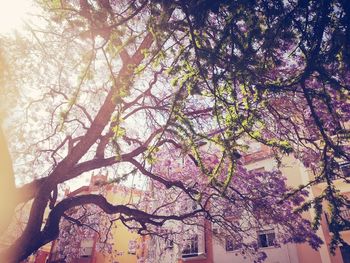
(209, 247)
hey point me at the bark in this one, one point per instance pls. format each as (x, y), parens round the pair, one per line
(51, 228)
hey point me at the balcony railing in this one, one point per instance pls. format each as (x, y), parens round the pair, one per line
(345, 214)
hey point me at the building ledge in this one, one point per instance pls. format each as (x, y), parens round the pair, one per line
(196, 256)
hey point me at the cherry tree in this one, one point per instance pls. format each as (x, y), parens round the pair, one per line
(145, 86)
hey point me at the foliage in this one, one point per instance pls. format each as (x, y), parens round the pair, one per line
(120, 85)
(252, 200)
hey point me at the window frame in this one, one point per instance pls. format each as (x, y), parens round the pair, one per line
(230, 245)
(87, 248)
(270, 242)
(191, 247)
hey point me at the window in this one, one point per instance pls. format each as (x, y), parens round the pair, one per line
(266, 238)
(86, 247)
(232, 244)
(132, 247)
(191, 247)
(229, 245)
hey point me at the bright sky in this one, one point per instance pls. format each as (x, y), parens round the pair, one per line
(12, 12)
(12, 16)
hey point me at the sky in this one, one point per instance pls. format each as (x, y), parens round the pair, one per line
(12, 13)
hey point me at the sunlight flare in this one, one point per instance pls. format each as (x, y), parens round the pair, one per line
(12, 14)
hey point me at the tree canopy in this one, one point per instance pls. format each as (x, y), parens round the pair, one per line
(176, 91)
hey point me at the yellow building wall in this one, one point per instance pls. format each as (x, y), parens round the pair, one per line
(121, 234)
(297, 175)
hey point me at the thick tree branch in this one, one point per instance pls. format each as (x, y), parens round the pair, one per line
(51, 228)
